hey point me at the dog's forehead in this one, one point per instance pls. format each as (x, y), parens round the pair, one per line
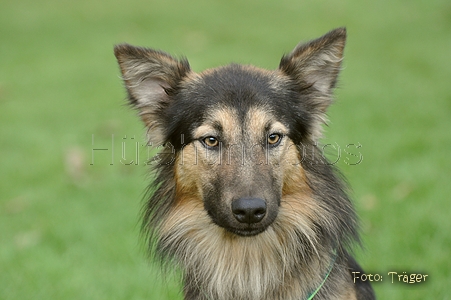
(235, 85)
(230, 123)
(236, 100)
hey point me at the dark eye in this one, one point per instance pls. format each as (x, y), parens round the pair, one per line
(211, 141)
(274, 139)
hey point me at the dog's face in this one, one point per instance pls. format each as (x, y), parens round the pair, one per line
(236, 148)
(238, 131)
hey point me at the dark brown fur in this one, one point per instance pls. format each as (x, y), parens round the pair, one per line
(308, 225)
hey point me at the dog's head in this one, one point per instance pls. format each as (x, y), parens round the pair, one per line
(238, 131)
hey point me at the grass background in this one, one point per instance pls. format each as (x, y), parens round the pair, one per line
(69, 230)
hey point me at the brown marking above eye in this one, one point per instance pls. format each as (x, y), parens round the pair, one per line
(274, 139)
(211, 141)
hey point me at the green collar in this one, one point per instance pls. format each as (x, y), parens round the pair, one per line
(332, 263)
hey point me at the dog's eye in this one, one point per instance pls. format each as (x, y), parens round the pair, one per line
(274, 139)
(211, 141)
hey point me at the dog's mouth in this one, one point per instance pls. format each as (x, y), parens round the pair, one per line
(247, 231)
(247, 216)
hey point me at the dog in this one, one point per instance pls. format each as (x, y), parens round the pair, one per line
(239, 202)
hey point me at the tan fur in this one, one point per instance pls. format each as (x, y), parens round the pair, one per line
(253, 266)
(299, 237)
(234, 265)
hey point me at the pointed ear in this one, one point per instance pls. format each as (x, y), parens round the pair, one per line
(150, 76)
(316, 64)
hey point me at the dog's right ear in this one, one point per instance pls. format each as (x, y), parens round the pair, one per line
(150, 77)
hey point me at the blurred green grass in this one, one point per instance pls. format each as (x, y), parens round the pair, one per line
(70, 230)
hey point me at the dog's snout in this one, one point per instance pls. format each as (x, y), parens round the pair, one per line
(249, 210)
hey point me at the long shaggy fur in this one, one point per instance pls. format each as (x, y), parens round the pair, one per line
(288, 257)
(187, 219)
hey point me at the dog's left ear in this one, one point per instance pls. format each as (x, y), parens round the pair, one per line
(151, 78)
(316, 65)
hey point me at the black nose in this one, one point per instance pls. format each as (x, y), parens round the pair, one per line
(249, 210)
